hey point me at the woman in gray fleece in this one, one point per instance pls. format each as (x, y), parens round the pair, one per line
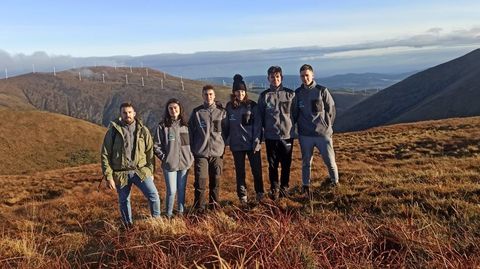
(172, 147)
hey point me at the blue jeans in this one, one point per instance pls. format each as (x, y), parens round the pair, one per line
(175, 180)
(149, 191)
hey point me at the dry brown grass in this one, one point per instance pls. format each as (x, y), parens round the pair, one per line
(33, 140)
(409, 198)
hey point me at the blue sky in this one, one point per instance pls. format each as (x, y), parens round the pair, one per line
(106, 28)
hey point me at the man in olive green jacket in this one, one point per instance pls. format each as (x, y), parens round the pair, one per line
(127, 158)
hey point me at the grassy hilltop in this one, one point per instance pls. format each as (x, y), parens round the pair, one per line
(409, 197)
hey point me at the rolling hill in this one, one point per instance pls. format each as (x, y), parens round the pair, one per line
(34, 140)
(448, 90)
(82, 93)
(408, 198)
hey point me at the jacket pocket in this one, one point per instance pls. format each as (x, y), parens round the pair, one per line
(217, 126)
(316, 106)
(285, 107)
(247, 119)
(184, 138)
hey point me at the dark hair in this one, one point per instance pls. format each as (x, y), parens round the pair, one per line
(167, 120)
(207, 87)
(306, 67)
(238, 85)
(126, 104)
(275, 69)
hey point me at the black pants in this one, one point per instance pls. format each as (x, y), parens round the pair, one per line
(279, 152)
(211, 168)
(255, 166)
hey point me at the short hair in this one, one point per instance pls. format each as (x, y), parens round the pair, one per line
(274, 69)
(306, 67)
(126, 104)
(207, 87)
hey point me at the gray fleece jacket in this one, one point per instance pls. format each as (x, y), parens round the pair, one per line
(277, 110)
(206, 125)
(315, 110)
(243, 127)
(172, 147)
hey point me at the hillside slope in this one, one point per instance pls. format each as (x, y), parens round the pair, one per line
(81, 93)
(34, 140)
(447, 90)
(408, 198)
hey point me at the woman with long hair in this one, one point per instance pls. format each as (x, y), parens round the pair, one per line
(172, 147)
(244, 129)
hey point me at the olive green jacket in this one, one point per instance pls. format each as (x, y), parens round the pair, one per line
(113, 157)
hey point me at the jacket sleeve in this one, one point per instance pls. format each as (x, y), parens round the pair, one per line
(158, 143)
(224, 122)
(257, 128)
(226, 130)
(192, 128)
(149, 151)
(294, 108)
(261, 109)
(329, 105)
(106, 154)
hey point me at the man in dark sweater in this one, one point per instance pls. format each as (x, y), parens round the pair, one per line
(316, 114)
(276, 109)
(206, 125)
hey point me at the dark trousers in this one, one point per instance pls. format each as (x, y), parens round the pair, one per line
(211, 168)
(256, 167)
(279, 152)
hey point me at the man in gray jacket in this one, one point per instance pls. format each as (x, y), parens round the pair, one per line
(276, 108)
(316, 114)
(206, 125)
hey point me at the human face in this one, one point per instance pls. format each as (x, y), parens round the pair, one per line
(307, 77)
(174, 110)
(275, 79)
(239, 95)
(128, 114)
(209, 96)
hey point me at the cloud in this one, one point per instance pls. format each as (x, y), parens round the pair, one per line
(433, 45)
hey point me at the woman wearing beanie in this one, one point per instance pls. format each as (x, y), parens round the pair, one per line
(172, 147)
(244, 128)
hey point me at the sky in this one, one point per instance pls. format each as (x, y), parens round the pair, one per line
(135, 28)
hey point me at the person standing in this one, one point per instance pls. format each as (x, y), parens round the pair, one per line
(316, 114)
(172, 147)
(276, 107)
(127, 159)
(244, 129)
(206, 128)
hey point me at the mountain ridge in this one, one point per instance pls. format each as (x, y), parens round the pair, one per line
(446, 90)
